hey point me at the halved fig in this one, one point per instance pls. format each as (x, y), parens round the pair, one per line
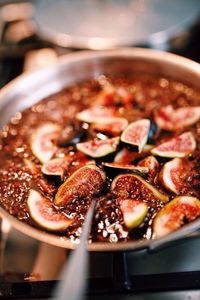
(125, 156)
(179, 146)
(56, 166)
(44, 214)
(136, 134)
(126, 168)
(87, 181)
(110, 126)
(152, 164)
(98, 148)
(172, 175)
(96, 114)
(172, 119)
(42, 141)
(134, 212)
(180, 210)
(133, 186)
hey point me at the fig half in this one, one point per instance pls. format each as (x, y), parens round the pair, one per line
(110, 126)
(133, 211)
(173, 215)
(179, 146)
(152, 164)
(171, 175)
(44, 214)
(98, 148)
(56, 166)
(42, 141)
(87, 181)
(172, 119)
(133, 186)
(96, 114)
(136, 134)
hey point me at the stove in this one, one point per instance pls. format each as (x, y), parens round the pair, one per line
(26, 268)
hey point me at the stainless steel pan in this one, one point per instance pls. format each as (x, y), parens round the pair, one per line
(73, 68)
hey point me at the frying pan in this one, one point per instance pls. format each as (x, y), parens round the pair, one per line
(27, 89)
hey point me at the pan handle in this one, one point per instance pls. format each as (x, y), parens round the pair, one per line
(172, 240)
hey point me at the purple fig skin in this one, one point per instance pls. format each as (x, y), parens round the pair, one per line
(86, 182)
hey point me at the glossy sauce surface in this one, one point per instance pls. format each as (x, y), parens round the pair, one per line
(136, 98)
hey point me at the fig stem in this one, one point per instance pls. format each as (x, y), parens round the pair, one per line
(76, 265)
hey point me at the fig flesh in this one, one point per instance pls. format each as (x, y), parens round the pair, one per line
(44, 214)
(125, 156)
(126, 168)
(98, 148)
(172, 119)
(133, 186)
(42, 141)
(179, 146)
(136, 134)
(110, 126)
(152, 164)
(133, 211)
(87, 181)
(96, 114)
(172, 174)
(174, 214)
(56, 166)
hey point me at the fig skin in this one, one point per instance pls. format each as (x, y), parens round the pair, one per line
(172, 216)
(136, 134)
(171, 119)
(172, 174)
(44, 214)
(179, 146)
(42, 141)
(133, 186)
(118, 167)
(133, 211)
(86, 182)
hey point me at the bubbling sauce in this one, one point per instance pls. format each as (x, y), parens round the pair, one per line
(133, 98)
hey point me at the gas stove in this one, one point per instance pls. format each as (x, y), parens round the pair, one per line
(30, 269)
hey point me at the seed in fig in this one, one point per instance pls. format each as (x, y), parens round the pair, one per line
(176, 213)
(136, 134)
(56, 166)
(152, 164)
(179, 146)
(172, 174)
(99, 148)
(133, 211)
(44, 214)
(133, 186)
(43, 139)
(96, 114)
(110, 126)
(87, 181)
(126, 168)
(171, 119)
